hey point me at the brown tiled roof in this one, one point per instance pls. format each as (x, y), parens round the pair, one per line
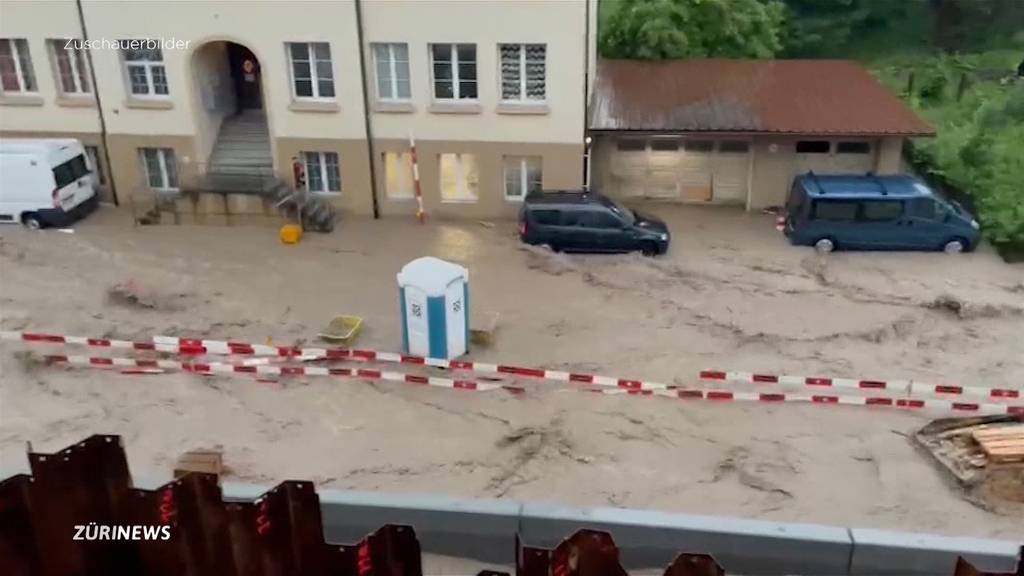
(774, 96)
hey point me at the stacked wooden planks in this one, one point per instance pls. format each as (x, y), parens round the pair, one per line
(1002, 443)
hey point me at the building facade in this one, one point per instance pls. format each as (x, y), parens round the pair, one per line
(494, 94)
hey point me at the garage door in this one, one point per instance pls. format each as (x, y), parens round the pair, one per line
(695, 169)
(691, 169)
(731, 171)
(835, 157)
(629, 167)
(663, 168)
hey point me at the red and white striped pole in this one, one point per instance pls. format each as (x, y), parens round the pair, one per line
(420, 213)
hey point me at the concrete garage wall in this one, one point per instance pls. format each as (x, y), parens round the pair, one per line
(774, 166)
(890, 155)
(485, 530)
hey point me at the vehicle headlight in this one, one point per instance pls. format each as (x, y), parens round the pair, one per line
(974, 224)
(664, 236)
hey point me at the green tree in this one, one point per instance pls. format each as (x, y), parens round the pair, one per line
(658, 29)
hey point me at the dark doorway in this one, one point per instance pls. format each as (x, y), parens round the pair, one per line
(245, 72)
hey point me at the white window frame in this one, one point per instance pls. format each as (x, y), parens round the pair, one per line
(456, 81)
(92, 153)
(314, 76)
(524, 178)
(466, 196)
(392, 63)
(147, 66)
(400, 161)
(164, 174)
(322, 165)
(19, 71)
(523, 98)
(79, 76)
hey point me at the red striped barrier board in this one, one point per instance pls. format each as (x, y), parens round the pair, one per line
(186, 346)
(138, 365)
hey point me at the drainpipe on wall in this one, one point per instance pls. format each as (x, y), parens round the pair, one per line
(99, 104)
(366, 110)
(586, 95)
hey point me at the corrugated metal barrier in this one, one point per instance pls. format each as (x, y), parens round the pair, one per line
(78, 513)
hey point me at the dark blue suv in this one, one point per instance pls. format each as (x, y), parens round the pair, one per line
(875, 213)
(589, 222)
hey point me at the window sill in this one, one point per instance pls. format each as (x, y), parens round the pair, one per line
(514, 199)
(393, 107)
(455, 108)
(325, 194)
(148, 103)
(459, 201)
(539, 108)
(76, 101)
(313, 106)
(17, 99)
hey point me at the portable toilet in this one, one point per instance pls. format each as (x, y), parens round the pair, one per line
(434, 298)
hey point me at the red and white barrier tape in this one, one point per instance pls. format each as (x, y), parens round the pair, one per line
(188, 346)
(172, 344)
(884, 401)
(909, 387)
(138, 366)
(133, 364)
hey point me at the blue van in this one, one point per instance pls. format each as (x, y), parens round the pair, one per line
(875, 213)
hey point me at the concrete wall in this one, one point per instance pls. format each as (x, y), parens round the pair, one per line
(214, 97)
(648, 540)
(890, 155)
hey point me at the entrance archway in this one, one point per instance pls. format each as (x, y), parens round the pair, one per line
(232, 133)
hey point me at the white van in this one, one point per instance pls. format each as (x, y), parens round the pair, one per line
(44, 182)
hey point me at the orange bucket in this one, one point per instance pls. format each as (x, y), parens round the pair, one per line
(291, 233)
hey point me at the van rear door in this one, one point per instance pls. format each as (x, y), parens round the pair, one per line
(73, 183)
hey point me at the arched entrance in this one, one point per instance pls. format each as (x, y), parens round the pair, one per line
(232, 135)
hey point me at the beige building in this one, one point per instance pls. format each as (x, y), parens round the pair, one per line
(174, 95)
(737, 131)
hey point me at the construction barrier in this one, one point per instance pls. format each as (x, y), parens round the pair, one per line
(199, 347)
(80, 514)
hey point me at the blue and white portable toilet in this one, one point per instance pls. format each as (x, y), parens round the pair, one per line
(435, 308)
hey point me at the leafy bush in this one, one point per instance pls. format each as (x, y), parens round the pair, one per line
(658, 29)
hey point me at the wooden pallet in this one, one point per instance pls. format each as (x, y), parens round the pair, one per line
(1002, 443)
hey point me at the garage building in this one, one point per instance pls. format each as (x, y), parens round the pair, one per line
(738, 131)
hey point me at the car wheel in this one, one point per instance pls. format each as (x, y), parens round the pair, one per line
(954, 246)
(825, 245)
(649, 249)
(32, 221)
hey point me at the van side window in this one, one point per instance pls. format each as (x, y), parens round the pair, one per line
(923, 208)
(881, 210)
(602, 220)
(546, 217)
(834, 210)
(574, 218)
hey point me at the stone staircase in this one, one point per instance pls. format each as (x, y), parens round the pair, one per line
(239, 179)
(243, 145)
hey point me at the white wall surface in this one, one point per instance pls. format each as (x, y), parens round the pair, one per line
(263, 27)
(559, 24)
(36, 22)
